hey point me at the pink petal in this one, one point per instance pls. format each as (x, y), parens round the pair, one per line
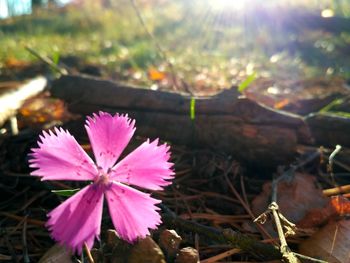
(109, 135)
(132, 211)
(60, 157)
(147, 166)
(78, 219)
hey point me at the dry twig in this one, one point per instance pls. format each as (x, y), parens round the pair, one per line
(226, 236)
(88, 253)
(46, 60)
(280, 221)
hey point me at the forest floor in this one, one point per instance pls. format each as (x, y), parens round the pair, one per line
(194, 50)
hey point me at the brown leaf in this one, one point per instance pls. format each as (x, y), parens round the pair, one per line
(42, 109)
(295, 198)
(57, 253)
(13, 62)
(156, 75)
(281, 104)
(341, 205)
(337, 206)
(331, 243)
(317, 217)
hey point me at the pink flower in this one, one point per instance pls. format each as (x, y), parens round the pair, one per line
(133, 213)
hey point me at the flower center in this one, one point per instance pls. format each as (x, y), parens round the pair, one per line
(102, 177)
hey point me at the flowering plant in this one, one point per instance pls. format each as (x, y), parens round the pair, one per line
(78, 220)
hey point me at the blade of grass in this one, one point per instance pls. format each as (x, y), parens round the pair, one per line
(333, 103)
(66, 192)
(193, 108)
(247, 82)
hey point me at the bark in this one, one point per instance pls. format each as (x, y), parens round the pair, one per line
(226, 122)
(329, 129)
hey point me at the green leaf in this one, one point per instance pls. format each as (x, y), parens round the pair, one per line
(56, 57)
(333, 103)
(338, 113)
(247, 82)
(69, 192)
(193, 108)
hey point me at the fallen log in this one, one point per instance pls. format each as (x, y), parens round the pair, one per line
(226, 122)
(329, 129)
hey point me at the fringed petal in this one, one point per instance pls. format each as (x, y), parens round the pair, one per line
(60, 157)
(133, 212)
(109, 135)
(78, 219)
(147, 166)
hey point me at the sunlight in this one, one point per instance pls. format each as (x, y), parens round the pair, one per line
(228, 4)
(327, 13)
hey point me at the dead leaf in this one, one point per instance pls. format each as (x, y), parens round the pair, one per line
(281, 104)
(331, 243)
(42, 109)
(337, 206)
(55, 254)
(13, 62)
(295, 198)
(317, 217)
(156, 75)
(341, 205)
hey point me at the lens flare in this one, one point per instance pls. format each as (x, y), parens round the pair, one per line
(228, 4)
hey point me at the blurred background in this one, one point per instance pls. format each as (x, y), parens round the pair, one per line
(197, 46)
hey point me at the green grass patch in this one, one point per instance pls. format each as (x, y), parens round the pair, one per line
(209, 48)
